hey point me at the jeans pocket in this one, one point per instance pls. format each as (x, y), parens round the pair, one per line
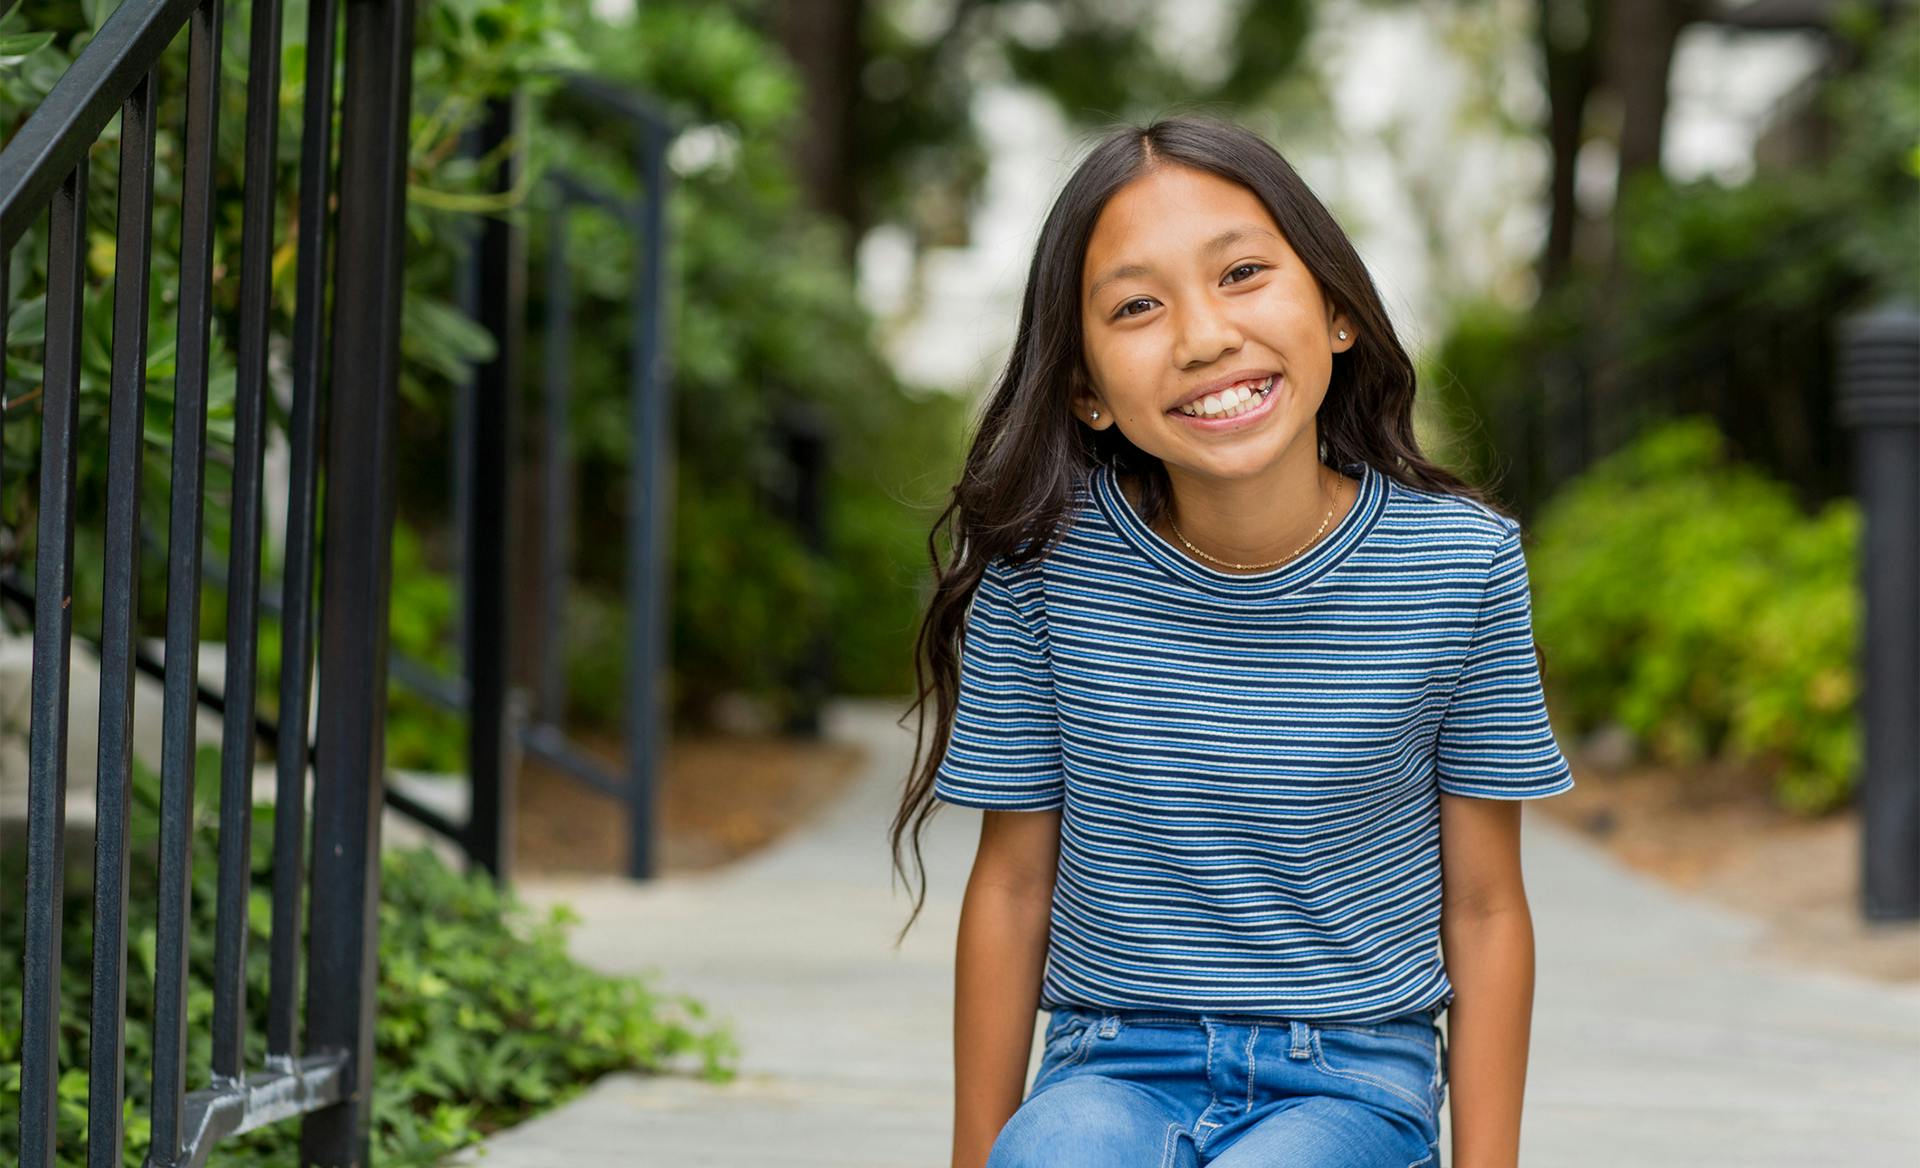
(1396, 1063)
(1067, 1039)
(1064, 1024)
(1065, 1045)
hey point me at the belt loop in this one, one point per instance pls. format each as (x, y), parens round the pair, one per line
(1302, 1036)
(1109, 1024)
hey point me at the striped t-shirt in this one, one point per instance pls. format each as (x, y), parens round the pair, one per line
(1249, 765)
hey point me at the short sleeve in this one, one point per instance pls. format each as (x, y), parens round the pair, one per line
(1004, 750)
(1495, 741)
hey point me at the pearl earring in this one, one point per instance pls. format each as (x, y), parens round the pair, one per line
(1343, 334)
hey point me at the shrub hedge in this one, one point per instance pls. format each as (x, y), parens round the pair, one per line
(482, 1019)
(1689, 598)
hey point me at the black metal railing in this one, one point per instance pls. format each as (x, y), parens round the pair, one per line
(45, 164)
(501, 727)
(493, 283)
(649, 474)
(504, 724)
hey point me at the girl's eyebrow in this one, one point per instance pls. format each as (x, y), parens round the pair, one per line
(1227, 238)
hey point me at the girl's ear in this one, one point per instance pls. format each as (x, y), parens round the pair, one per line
(1085, 401)
(1340, 333)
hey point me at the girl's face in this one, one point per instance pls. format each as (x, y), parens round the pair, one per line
(1189, 288)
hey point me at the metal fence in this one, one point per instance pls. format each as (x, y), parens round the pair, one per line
(505, 722)
(649, 472)
(355, 355)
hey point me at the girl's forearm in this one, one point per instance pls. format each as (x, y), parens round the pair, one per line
(1489, 959)
(1000, 959)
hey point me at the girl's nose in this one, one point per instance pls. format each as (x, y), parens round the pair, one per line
(1204, 333)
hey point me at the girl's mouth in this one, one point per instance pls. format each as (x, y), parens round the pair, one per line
(1232, 409)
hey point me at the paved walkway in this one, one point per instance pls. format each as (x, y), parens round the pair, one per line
(1658, 1038)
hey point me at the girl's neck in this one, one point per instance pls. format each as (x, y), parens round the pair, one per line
(1255, 522)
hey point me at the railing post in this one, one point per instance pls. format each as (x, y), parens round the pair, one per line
(120, 591)
(52, 662)
(495, 294)
(1879, 398)
(297, 606)
(650, 502)
(805, 431)
(357, 564)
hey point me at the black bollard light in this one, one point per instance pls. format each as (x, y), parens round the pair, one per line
(1879, 401)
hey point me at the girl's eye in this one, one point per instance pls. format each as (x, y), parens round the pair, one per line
(1252, 267)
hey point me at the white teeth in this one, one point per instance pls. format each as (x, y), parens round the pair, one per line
(1229, 402)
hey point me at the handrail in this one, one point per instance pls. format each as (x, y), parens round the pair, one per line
(59, 131)
(45, 167)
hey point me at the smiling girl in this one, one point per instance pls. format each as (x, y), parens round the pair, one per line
(1247, 692)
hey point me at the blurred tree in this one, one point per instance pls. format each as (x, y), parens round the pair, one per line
(1723, 296)
(765, 320)
(889, 85)
(1570, 64)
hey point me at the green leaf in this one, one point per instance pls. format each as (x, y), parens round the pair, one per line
(17, 47)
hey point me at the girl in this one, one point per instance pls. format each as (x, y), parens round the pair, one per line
(1247, 690)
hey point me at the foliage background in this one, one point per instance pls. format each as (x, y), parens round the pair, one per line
(1728, 296)
(763, 318)
(1698, 587)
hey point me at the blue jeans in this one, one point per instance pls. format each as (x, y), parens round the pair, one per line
(1142, 1089)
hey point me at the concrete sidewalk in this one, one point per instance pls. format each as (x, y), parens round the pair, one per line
(1658, 1038)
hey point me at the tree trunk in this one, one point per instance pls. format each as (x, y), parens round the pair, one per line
(1640, 40)
(1569, 33)
(823, 38)
(1640, 48)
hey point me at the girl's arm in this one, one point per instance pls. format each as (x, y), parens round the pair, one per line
(1486, 935)
(999, 962)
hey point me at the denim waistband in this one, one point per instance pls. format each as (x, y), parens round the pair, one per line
(1427, 1016)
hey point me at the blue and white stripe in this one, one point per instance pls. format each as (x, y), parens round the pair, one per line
(1249, 765)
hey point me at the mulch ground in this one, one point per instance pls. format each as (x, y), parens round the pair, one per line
(720, 798)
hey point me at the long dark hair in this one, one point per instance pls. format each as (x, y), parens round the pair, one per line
(1030, 454)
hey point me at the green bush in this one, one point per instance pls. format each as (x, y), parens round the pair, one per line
(421, 624)
(483, 1019)
(1688, 598)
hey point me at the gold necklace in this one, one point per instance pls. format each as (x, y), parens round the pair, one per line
(1273, 564)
